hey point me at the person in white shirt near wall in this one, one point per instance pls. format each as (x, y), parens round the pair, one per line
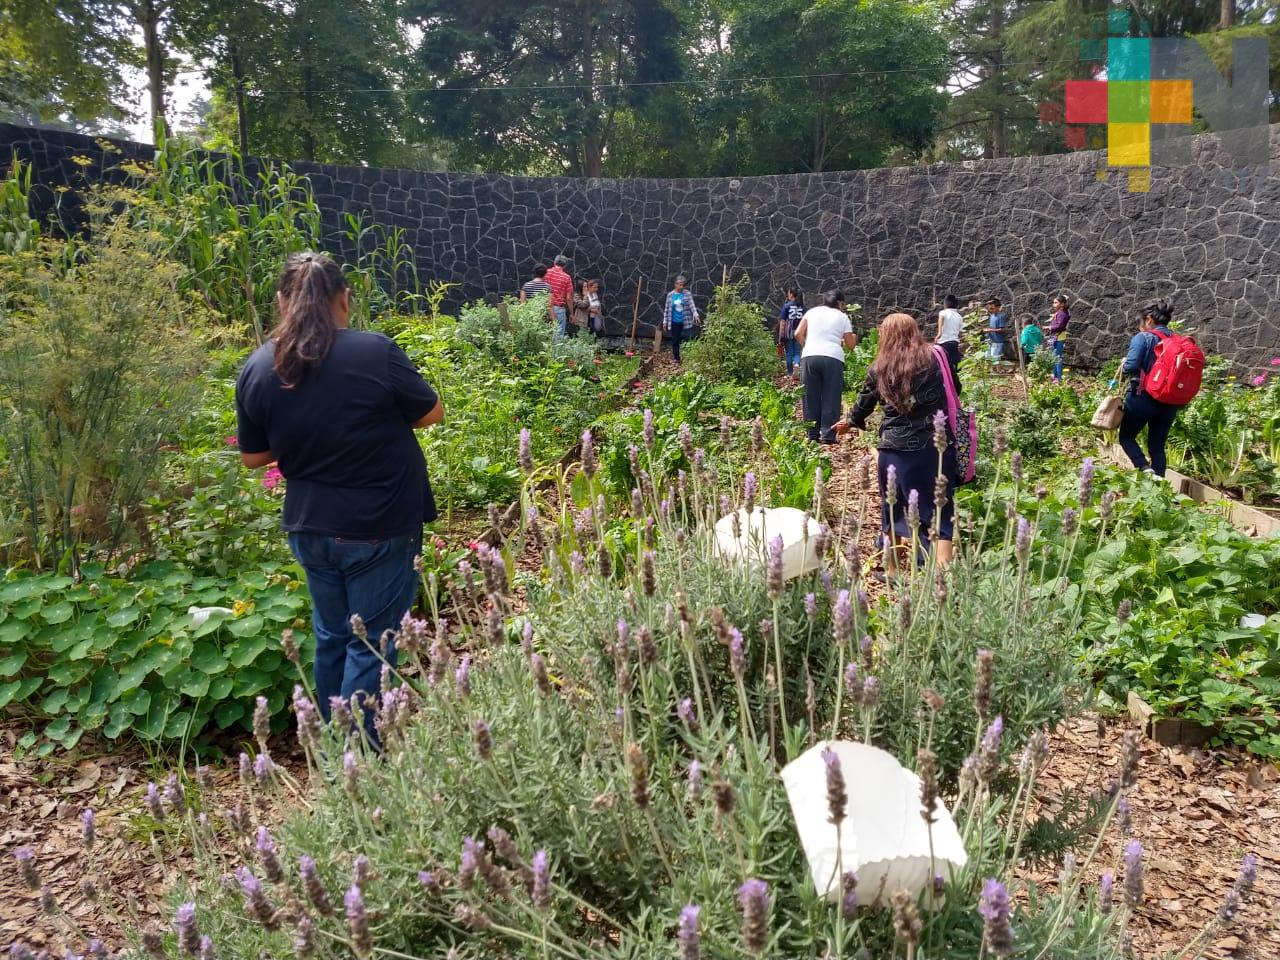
(950, 326)
(824, 335)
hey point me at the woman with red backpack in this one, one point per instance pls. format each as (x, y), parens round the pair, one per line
(1164, 370)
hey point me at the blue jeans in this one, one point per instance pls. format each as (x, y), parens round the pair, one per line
(792, 350)
(995, 351)
(374, 578)
(562, 321)
(1059, 348)
(676, 333)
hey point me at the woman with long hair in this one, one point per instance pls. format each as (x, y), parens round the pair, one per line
(917, 480)
(336, 410)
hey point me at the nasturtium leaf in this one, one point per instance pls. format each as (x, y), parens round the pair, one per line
(14, 630)
(228, 712)
(246, 626)
(123, 617)
(193, 683)
(137, 700)
(12, 662)
(7, 691)
(206, 656)
(60, 612)
(220, 687)
(151, 726)
(251, 681)
(118, 721)
(245, 651)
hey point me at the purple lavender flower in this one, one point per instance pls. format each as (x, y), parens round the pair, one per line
(695, 778)
(152, 800)
(852, 683)
(1124, 816)
(188, 932)
(870, 692)
(940, 431)
(865, 646)
(1086, 483)
(470, 862)
(265, 770)
(483, 738)
(26, 858)
(754, 897)
(261, 720)
(773, 568)
(88, 827)
(361, 870)
(309, 724)
(313, 887)
(648, 431)
(358, 921)
(1015, 465)
(430, 882)
(842, 617)
(97, 948)
(913, 507)
(304, 937)
(849, 895)
(749, 490)
(989, 751)
(684, 709)
(1070, 520)
(687, 933)
(996, 912)
(837, 794)
(462, 676)
(541, 892)
(983, 683)
(1022, 542)
(268, 855)
(1240, 889)
(256, 903)
(525, 455)
(1133, 873)
(821, 540)
(811, 606)
(828, 585)
(350, 771)
(1106, 892)
(588, 454)
(891, 485)
(1124, 611)
(737, 658)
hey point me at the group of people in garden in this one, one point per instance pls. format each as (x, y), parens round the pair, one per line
(336, 410)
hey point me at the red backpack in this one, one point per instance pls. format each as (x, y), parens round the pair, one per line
(1175, 377)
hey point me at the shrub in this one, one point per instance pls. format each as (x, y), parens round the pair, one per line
(568, 754)
(100, 355)
(734, 345)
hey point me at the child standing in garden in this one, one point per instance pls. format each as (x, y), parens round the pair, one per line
(336, 409)
(1058, 333)
(996, 330)
(950, 327)
(907, 380)
(789, 318)
(678, 311)
(1030, 341)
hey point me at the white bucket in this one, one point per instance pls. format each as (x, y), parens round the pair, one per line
(752, 544)
(883, 839)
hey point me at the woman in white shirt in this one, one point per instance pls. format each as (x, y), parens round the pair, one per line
(824, 335)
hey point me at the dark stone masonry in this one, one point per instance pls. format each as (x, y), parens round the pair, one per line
(1206, 236)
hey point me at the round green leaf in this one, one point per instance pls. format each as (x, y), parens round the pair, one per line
(207, 657)
(59, 612)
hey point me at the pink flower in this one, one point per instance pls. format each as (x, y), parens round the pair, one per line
(1275, 361)
(231, 441)
(632, 353)
(1260, 379)
(272, 478)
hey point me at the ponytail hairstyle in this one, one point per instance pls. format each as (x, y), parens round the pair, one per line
(1066, 303)
(901, 354)
(798, 294)
(306, 331)
(1159, 311)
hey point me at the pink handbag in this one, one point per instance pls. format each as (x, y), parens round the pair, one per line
(963, 423)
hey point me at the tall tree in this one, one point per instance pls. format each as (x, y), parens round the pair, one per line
(520, 85)
(830, 84)
(63, 58)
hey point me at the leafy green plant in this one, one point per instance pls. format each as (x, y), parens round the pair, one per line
(734, 345)
(100, 354)
(123, 656)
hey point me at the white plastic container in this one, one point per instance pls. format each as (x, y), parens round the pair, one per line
(756, 530)
(883, 838)
(1252, 621)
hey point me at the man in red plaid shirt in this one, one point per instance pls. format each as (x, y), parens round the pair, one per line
(561, 294)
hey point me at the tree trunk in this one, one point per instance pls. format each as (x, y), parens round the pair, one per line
(1228, 14)
(999, 131)
(149, 14)
(242, 119)
(592, 142)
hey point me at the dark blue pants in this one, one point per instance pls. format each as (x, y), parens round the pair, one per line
(916, 470)
(1141, 411)
(676, 333)
(374, 578)
(1059, 348)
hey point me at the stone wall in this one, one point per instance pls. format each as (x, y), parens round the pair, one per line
(1207, 236)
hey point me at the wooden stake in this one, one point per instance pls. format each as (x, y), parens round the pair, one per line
(635, 315)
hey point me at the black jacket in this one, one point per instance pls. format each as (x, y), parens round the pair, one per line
(904, 430)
